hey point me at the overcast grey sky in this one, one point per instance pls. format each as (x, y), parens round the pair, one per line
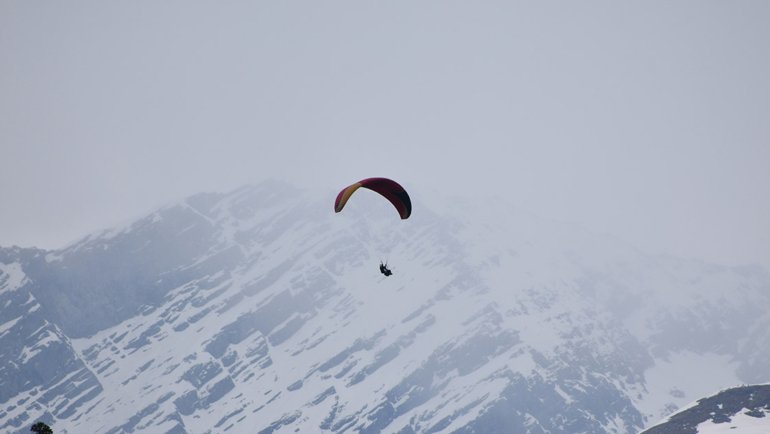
(646, 120)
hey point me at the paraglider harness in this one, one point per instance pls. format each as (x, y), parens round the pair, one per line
(384, 269)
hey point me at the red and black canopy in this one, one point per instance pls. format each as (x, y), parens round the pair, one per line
(388, 188)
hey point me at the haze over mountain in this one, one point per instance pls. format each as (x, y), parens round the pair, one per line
(643, 120)
(260, 310)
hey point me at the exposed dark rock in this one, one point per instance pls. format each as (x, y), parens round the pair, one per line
(719, 408)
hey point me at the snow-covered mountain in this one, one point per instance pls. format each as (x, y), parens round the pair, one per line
(739, 410)
(263, 311)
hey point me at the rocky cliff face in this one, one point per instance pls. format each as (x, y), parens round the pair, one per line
(743, 409)
(263, 311)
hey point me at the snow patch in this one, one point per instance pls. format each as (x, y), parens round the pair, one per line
(53, 257)
(8, 325)
(29, 352)
(12, 277)
(739, 423)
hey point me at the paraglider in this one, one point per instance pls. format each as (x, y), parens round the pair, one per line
(390, 190)
(384, 269)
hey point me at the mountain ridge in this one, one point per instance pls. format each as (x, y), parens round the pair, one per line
(741, 409)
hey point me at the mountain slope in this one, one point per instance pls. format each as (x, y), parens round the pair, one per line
(739, 410)
(263, 311)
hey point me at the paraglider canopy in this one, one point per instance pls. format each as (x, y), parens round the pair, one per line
(388, 188)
